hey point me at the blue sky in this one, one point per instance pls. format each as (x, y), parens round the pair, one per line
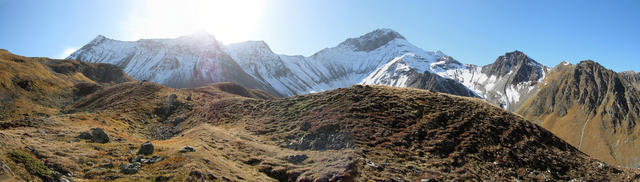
(471, 31)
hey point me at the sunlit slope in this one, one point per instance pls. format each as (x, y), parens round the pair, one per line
(41, 86)
(592, 108)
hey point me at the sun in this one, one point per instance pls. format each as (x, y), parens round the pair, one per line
(228, 20)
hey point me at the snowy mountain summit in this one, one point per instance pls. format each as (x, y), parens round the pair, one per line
(380, 57)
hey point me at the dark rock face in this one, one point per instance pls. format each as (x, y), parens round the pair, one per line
(373, 40)
(146, 148)
(99, 136)
(436, 83)
(525, 68)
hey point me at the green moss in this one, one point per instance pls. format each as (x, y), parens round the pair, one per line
(32, 165)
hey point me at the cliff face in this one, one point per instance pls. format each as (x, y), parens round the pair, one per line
(591, 107)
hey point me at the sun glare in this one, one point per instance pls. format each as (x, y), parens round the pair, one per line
(228, 20)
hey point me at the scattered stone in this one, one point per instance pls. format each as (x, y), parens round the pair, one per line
(297, 158)
(151, 160)
(155, 159)
(106, 165)
(59, 176)
(138, 159)
(110, 178)
(211, 176)
(93, 172)
(144, 160)
(186, 149)
(195, 175)
(305, 126)
(99, 136)
(172, 98)
(146, 148)
(163, 178)
(130, 168)
(177, 121)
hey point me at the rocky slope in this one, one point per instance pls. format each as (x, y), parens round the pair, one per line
(592, 108)
(633, 77)
(226, 132)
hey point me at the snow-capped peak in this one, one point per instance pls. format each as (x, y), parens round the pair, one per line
(382, 57)
(372, 40)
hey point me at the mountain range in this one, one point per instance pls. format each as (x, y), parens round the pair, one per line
(381, 57)
(514, 81)
(75, 121)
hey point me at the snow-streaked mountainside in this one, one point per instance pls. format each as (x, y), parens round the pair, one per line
(188, 61)
(381, 57)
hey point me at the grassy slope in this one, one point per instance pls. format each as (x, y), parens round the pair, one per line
(412, 134)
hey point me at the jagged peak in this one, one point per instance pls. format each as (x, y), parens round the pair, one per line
(590, 64)
(518, 63)
(98, 39)
(372, 40)
(516, 57)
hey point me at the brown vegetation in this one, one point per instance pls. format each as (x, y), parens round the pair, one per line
(351, 134)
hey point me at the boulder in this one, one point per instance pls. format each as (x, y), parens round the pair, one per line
(130, 168)
(99, 136)
(84, 135)
(297, 158)
(186, 149)
(146, 148)
(144, 160)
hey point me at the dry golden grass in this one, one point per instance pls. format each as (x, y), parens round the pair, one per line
(361, 133)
